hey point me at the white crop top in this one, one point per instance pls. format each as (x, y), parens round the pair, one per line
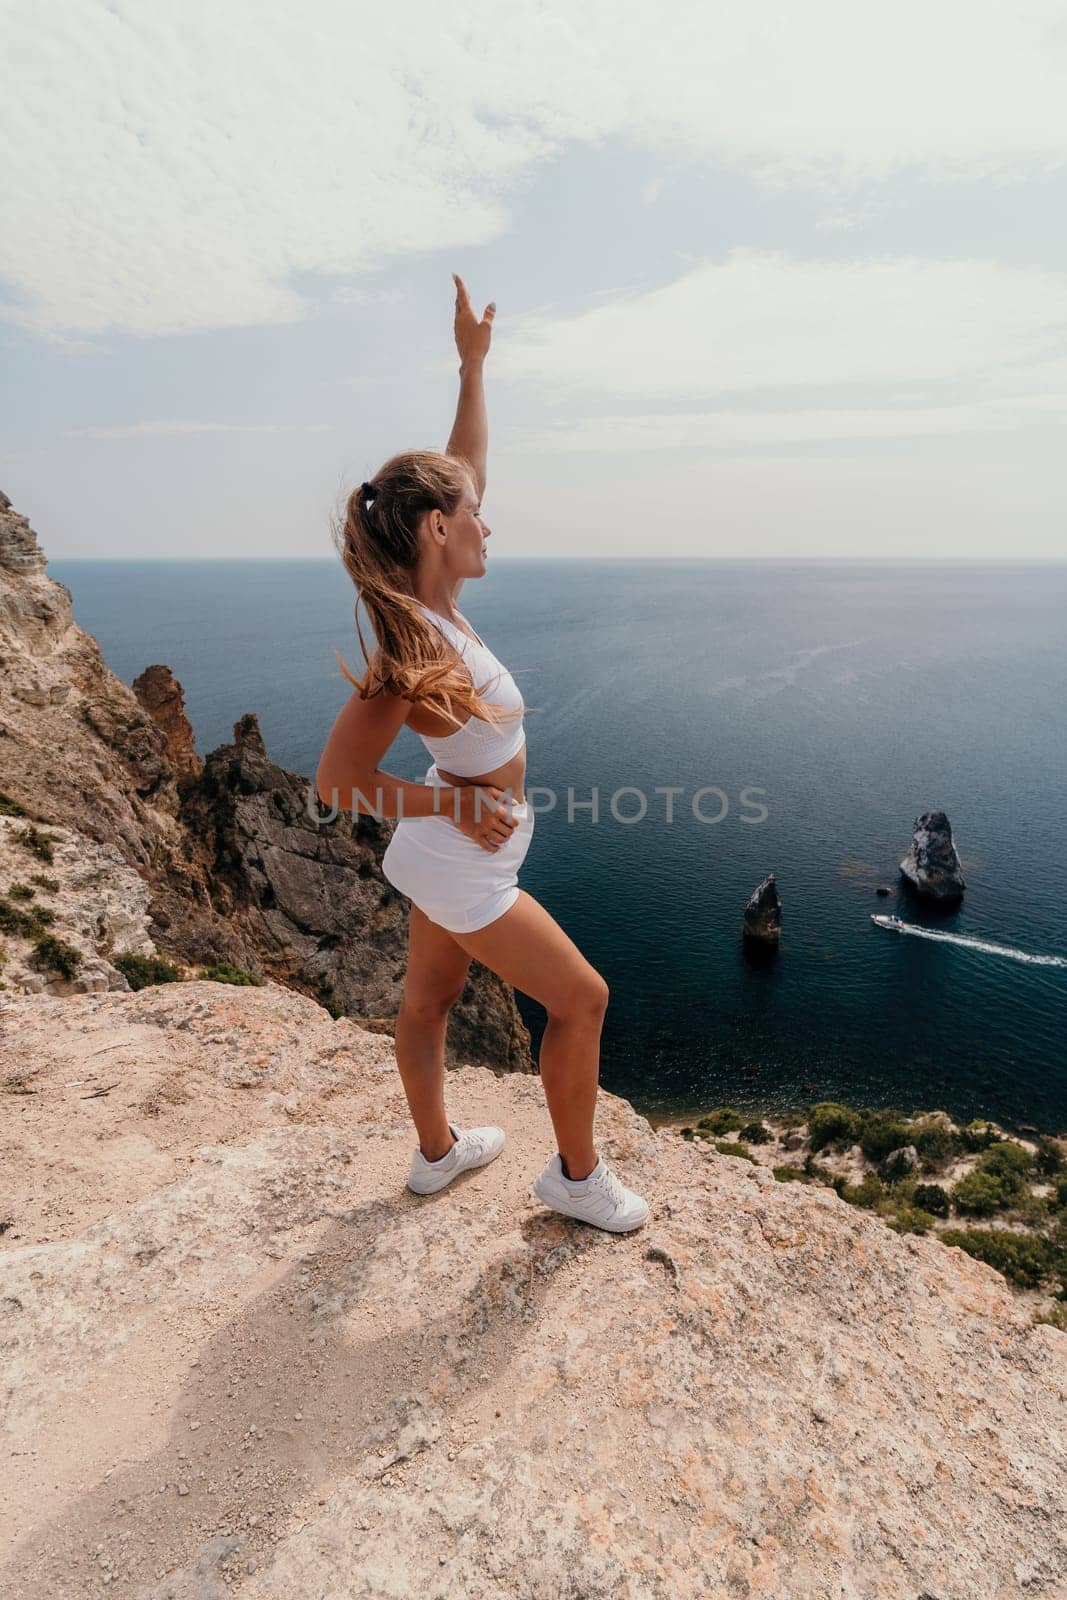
(478, 746)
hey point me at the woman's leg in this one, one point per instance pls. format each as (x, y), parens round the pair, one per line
(529, 950)
(436, 975)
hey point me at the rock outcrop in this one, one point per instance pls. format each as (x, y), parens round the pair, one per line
(84, 894)
(932, 865)
(241, 1358)
(763, 913)
(236, 868)
(160, 693)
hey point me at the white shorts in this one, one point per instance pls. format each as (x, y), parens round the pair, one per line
(458, 884)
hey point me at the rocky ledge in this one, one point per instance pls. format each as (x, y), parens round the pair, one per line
(241, 1358)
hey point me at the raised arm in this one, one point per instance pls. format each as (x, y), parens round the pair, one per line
(470, 431)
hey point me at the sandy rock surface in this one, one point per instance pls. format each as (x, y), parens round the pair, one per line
(240, 1357)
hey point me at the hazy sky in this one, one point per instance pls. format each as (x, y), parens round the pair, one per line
(771, 278)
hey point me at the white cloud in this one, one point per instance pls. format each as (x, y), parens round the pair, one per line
(733, 430)
(171, 168)
(774, 350)
(170, 429)
(758, 321)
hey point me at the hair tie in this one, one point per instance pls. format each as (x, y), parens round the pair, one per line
(369, 491)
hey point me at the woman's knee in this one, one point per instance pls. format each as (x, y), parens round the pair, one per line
(584, 1001)
(430, 1004)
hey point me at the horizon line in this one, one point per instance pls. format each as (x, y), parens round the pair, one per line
(988, 560)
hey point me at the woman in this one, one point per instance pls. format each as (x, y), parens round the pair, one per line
(411, 537)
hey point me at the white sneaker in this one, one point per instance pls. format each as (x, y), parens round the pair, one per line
(601, 1198)
(474, 1147)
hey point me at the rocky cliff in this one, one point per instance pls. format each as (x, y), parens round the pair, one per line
(236, 869)
(241, 1358)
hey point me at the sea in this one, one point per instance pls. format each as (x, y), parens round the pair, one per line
(693, 725)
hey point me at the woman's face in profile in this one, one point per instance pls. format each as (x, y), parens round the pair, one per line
(467, 535)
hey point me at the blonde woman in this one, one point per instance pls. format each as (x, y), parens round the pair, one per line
(411, 537)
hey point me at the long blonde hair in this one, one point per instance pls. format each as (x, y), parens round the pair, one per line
(378, 541)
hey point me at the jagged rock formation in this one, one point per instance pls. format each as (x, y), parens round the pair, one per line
(241, 1358)
(235, 867)
(160, 693)
(763, 913)
(309, 902)
(932, 865)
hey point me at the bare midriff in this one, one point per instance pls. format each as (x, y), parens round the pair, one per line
(510, 777)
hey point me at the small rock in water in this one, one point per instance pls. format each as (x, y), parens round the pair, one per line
(763, 914)
(932, 865)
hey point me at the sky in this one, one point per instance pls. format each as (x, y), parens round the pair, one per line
(772, 280)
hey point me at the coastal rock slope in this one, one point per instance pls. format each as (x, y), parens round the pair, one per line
(241, 1358)
(236, 868)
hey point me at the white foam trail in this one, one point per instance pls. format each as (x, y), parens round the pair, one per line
(972, 944)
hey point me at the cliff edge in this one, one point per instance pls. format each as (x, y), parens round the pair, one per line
(241, 1358)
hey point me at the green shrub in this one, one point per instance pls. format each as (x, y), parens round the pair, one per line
(1022, 1258)
(756, 1133)
(29, 922)
(21, 891)
(979, 1194)
(790, 1174)
(932, 1198)
(867, 1193)
(978, 1135)
(724, 1120)
(9, 807)
(12, 918)
(687, 1133)
(1055, 1316)
(39, 842)
(1061, 1190)
(1006, 1159)
(935, 1143)
(896, 1167)
(726, 1148)
(830, 1123)
(43, 881)
(910, 1219)
(141, 971)
(1049, 1158)
(55, 955)
(223, 972)
(882, 1133)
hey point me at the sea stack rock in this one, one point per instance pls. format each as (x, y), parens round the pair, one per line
(763, 914)
(932, 866)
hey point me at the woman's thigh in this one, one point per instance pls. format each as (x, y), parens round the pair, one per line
(530, 951)
(437, 966)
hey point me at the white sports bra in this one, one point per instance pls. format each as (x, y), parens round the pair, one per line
(478, 746)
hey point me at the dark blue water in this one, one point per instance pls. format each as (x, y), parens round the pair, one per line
(853, 695)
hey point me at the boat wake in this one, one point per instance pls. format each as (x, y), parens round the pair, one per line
(983, 945)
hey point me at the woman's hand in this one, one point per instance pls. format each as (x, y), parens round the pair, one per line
(472, 336)
(482, 819)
